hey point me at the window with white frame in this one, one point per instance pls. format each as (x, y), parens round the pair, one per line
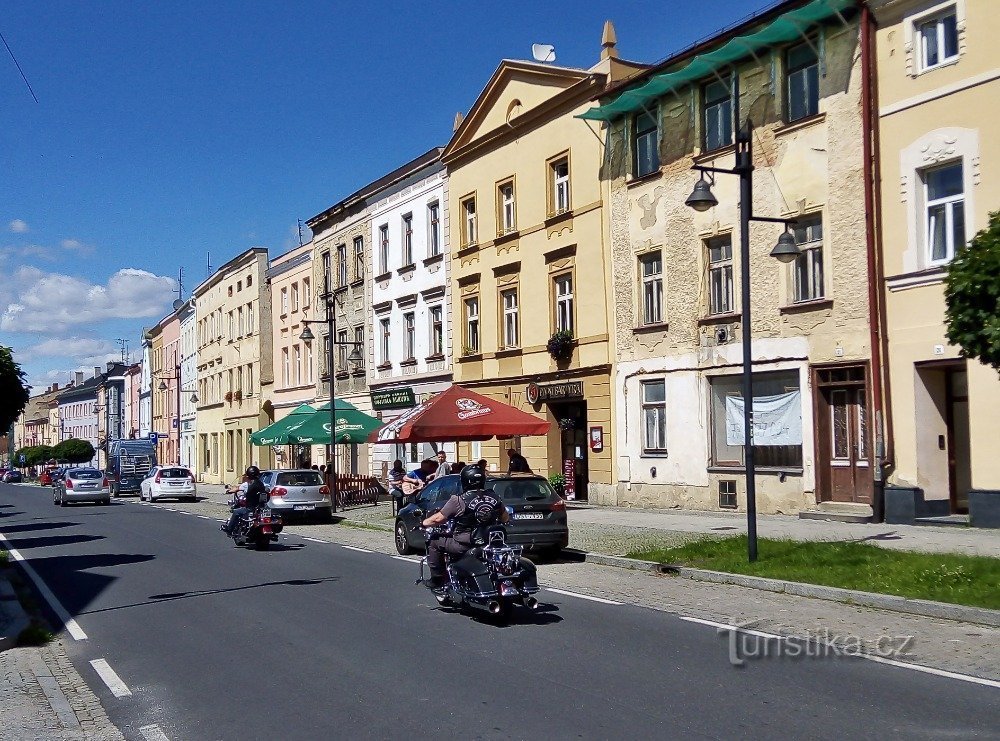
(359, 258)
(286, 370)
(383, 248)
(342, 350)
(433, 229)
(651, 267)
(310, 374)
(297, 354)
(646, 155)
(284, 301)
(359, 344)
(720, 275)
(507, 221)
(564, 302)
(409, 335)
(808, 266)
(654, 416)
(306, 293)
(295, 297)
(802, 81)
(407, 240)
(326, 270)
(471, 306)
(508, 301)
(938, 39)
(437, 330)
(718, 118)
(944, 199)
(559, 174)
(469, 233)
(250, 319)
(341, 264)
(384, 340)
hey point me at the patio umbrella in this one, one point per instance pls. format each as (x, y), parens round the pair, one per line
(459, 414)
(277, 432)
(352, 426)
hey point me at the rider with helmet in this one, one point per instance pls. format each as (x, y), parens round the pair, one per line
(256, 495)
(473, 509)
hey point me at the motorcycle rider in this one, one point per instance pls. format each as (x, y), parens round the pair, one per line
(473, 509)
(256, 495)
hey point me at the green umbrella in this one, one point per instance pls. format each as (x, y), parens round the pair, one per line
(277, 433)
(352, 426)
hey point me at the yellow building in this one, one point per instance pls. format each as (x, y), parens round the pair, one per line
(234, 364)
(938, 102)
(530, 260)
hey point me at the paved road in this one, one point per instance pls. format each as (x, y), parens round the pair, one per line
(313, 639)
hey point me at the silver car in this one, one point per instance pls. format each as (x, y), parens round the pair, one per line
(299, 491)
(81, 485)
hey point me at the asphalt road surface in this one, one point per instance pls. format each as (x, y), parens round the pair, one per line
(314, 640)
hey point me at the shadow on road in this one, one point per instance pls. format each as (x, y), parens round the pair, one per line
(544, 615)
(51, 540)
(38, 526)
(891, 535)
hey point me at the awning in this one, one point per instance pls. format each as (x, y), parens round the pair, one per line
(459, 414)
(352, 426)
(277, 433)
(788, 27)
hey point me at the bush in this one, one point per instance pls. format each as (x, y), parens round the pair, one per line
(560, 344)
(972, 296)
(74, 450)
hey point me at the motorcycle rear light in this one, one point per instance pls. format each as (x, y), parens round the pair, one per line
(279, 491)
(559, 506)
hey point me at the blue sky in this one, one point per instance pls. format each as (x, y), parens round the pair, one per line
(167, 130)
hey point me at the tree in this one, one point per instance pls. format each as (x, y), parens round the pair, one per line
(14, 393)
(972, 296)
(34, 455)
(74, 450)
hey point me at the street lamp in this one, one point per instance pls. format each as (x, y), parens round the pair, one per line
(194, 400)
(355, 358)
(702, 199)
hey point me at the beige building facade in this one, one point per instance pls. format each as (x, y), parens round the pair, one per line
(235, 364)
(938, 101)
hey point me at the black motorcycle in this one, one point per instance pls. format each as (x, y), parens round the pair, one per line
(260, 527)
(492, 576)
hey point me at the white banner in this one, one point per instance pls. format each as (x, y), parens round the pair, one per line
(777, 420)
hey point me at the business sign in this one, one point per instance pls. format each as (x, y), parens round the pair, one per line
(569, 472)
(393, 399)
(153, 437)
(553, 391)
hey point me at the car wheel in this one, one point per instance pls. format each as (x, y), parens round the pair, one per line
(403, 547)
(326, 515)
(62, 501)
(114, 492)
(106, 501)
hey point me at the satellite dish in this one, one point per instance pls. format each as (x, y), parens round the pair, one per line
(178, 303)
(543, 52)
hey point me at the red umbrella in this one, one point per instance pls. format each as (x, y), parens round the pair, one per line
(459, 414)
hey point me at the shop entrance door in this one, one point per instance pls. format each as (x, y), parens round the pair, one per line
(571, 420)
(844, 470)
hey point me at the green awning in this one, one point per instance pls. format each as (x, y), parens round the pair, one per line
(788, 27)
(352, 426)
(277, 433)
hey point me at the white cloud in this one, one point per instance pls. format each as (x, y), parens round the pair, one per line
(51, 303)
(18, 226)
(72, 347)
(75, 245)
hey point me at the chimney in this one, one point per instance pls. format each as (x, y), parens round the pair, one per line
(97, 371)
(79, 378)
(608, 41)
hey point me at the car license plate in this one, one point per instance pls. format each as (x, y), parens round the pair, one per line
(299, 507)
(529, 516)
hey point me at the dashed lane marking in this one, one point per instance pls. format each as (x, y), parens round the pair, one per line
(583, 596)
(153, 733)
(738, 629)
(71, 625)
(204, 517)
(407, 558)
(315, 540)
(107, 674)
(353, 548)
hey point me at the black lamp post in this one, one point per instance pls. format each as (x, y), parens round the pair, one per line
(355, 357)
(194, 400)
(702, 199)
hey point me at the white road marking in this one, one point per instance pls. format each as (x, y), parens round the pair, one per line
(153, 733)
(204, 517)
(315, 540)
(114, 682)
(74, 630)
(352, 548)
(407, 558)
(187, 513)
(583, 596)
(737, 628)
(167, 509)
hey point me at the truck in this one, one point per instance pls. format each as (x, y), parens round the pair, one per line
(129, 462)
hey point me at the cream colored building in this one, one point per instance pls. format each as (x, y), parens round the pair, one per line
(234, 365)
(676, 272)
(529, 258)
(938, 103)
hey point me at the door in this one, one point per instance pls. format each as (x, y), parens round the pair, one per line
(844, 449)
(957, 420)
(571, 420)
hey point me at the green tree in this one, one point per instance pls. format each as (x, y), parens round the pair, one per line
(74, 450)
(14, 391)
(972, 296)
(34, 455)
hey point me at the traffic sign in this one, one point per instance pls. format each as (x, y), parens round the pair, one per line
(21, 458)
(153, 437)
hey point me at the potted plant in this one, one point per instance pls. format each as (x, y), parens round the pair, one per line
(229, 396)
(560, 344)
(558, 482)
(238, 395)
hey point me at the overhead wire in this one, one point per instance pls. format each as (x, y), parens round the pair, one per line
(16, 64)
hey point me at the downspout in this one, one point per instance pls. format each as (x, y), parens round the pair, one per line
(883, 453)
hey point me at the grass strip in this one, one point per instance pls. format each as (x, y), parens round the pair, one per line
(942, 577)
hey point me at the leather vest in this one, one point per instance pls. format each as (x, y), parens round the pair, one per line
(481, 508)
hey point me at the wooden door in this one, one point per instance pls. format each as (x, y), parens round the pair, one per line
(844, 449)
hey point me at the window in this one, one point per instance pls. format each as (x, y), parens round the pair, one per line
(326, 270)
(383, 248)
(506, 221)
(249, 281)
(720, 275)
(718, 121)
(232, 326)
(802, 67)
(359, 258)
(342, 350)
(433, 229)
(654, 416)
(297, 352)
(764, 384)
(468, 222)
(240, 325)
(644, 145)
(310, 378)
(471, 325)
(341, 265)
(409, 323)
(559, 184)
(651, 267)
(945, 206)
(939, 40)
(437, 330)
(324, 370)
(295, 296)
(808, 266)
(564, 303)
(284, 301)
(508, 300)
(407, 240)
(384, 325)
(306, 292)
(359, 343)
(250, 319)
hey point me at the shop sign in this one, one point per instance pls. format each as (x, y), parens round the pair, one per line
(569, 471)
(553, 391)
(393, 398)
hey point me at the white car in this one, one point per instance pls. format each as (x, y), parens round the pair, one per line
(168, 482)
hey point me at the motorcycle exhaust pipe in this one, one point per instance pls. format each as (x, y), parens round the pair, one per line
(531, 603)
(493, 607)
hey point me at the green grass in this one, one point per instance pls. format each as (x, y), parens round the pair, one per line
(364, 525)
(34, 635)
(955, 578)
(4, 557)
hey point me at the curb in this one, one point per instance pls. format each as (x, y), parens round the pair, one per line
(892, 603)
(18, 618)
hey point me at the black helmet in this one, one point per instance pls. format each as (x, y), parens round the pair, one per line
(472, 478)
(253, 472)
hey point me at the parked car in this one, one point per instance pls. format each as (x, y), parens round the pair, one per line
(81, 485)
(45, 478)
(168, 482)
(298, 491)
(539, 521)
(12, 477)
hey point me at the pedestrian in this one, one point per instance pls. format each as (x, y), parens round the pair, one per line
(482, 464)
(457, 466)
(517, 463)
(314, 467)
(395, 478)
(420, 476)
(322, 469)
(443, 467)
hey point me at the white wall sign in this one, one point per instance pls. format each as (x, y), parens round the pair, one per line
(777, 420)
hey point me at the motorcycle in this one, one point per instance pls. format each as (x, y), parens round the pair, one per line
(260, 527)
(492, 576)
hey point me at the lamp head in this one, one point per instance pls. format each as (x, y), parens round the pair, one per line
(701, 198)
(162, 386)
(786, 250)
(355, 356)
(307, 335)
